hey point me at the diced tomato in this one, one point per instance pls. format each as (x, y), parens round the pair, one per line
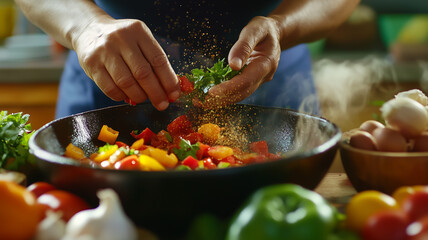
(259, 147)
(258, 159)
(128, 163)
(147, 134)
(229, 159)
(160, 140)
(180, 126)
(208, 163)
(121, 144)
(194, 137)
(186, 85)
(203, 151)
(191, 162)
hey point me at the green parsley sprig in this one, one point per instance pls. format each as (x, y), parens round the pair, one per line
(204, 79)
(14, 135)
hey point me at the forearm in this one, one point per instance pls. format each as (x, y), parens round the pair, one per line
(308, 20)
(63, 20)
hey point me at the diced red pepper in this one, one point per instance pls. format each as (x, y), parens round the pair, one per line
(259, 147)
(147, 134)
(186, 85)
(273, 156)
(194, 137)
(128, 163)
(208, 163)
(121, 144)
(160, 140)
(203, 151)
(180, 126)
(191, 162)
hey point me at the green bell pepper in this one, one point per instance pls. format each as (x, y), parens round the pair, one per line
(285, 211)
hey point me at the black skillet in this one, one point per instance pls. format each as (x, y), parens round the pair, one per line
(166, 202)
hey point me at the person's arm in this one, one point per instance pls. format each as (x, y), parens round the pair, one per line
(260, 42)
(121, 56)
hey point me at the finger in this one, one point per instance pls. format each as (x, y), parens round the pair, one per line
(106, 84)
(148, 81)
(124, 79)
(239, 87)
(242, 49)
(158, 60)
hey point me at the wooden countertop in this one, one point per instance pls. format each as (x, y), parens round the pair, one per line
(337, 189)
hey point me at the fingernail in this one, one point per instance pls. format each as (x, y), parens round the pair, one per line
(163, 105)
(174, 95)
(237, 62)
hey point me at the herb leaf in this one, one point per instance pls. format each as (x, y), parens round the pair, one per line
(186, 149)
(203, 80)
(14, 136)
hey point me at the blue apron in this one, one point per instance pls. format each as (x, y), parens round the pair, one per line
(291, 85)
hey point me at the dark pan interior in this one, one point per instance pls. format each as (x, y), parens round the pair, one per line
(156, 200)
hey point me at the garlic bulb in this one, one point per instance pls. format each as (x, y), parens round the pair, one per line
(414, 94)
(405, 115)
(52, 227)
(107, 221)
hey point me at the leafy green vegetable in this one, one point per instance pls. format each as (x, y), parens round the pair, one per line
(204, 79)
(186, 149)
(14, 136)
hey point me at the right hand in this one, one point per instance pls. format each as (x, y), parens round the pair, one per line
(126, 62)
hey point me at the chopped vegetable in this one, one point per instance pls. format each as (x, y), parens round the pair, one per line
(75, 152)
(14, 135)
(108, 135)
(179, 148)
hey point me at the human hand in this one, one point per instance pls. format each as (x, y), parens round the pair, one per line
(259, 47)
(126, 62)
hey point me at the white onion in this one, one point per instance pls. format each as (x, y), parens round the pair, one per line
(405, 115)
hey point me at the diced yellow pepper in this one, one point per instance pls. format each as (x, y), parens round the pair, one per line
(150, 164)
(106, 154)
(116, 156)
(74, 152)
(108, 135)
(220, 152)
(162, 156)
(138, 144)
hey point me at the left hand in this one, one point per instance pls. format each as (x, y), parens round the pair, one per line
(259, 47)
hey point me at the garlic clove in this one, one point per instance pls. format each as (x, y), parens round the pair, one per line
(414, 94)
(107, 222)
(52, 227)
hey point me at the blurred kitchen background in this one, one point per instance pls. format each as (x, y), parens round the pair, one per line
(380, 50)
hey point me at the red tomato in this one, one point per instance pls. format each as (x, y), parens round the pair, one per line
(66, 202)
(203, 151)
(386, 225)
(230, 159)
(180, 126)
(416, 205)
(128, 163)
(259, 147)
(191, 162)
(39, 188)
(208, 163)
(418, 230)
(185, 85)
(121, 144)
